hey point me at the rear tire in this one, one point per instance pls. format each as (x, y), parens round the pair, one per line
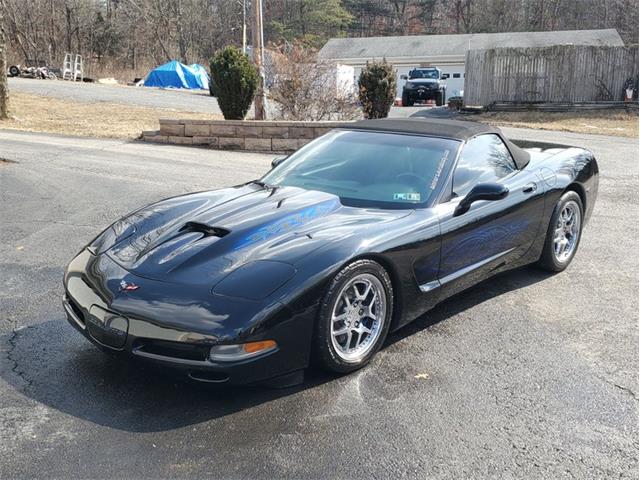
(14, 71)
(353, 317)
(563, 234)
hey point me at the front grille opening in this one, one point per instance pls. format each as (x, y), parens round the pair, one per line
(76, 309)
(164, 348)
(208, 377)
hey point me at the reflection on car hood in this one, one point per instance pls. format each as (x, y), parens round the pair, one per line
(212, 233)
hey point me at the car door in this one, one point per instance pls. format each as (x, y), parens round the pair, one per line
(491, 233)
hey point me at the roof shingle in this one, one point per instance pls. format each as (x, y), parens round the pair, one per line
(367, 48)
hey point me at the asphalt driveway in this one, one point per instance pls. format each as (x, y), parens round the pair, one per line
(527, 375)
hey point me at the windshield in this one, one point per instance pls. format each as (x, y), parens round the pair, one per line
(423, 74)
(369, 169)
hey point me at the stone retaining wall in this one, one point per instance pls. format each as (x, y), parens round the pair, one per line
(250, 135)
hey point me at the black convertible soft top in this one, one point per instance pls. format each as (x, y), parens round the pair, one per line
(442, 128)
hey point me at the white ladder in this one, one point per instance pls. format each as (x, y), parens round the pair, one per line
(67, 71)
(73, 73)
(78, 68)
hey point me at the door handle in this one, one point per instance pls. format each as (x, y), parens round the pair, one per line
(530, 187)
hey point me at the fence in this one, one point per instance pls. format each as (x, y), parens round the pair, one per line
(563, 73)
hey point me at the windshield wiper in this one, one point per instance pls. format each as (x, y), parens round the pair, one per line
(264, 185)
(260, 183)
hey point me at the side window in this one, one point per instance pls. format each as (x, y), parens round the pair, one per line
(483, 159)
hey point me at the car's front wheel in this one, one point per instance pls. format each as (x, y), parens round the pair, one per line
(354, 317)
(563, 234)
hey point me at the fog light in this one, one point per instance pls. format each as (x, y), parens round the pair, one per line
(233, 353)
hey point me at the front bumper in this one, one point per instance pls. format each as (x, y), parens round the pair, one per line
(421, 94)
(99, 315)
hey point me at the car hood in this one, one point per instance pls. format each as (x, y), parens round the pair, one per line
(205, 236)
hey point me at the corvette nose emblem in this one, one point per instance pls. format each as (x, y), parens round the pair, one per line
(128, 287)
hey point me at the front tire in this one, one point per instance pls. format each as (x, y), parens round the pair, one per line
(406, 100)
(563, 234)
(353, 317)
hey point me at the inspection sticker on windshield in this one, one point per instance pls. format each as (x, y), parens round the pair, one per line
(411, 196)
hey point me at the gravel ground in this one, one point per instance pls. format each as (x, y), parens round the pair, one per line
(182, 100)
(527, 375)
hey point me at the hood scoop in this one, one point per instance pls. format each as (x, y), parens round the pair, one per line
(206, 230)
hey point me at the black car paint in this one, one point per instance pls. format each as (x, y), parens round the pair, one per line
(430, 254)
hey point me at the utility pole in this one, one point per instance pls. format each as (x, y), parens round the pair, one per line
(258, 59)
(244, 26)
(4, 89)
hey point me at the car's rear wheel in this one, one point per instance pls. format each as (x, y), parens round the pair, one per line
(563, 234)
(354, 317)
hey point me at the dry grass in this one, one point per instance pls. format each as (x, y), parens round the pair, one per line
(619, 123)
(35, 113)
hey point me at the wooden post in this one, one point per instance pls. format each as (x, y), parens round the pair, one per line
(4, 89)
(257, 59)
(244, 26)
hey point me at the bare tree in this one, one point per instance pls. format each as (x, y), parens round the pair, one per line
(118, 35)
(304, 89)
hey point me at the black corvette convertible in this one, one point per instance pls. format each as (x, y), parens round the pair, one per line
(354, 235)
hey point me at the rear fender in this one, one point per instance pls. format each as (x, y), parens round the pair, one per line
(561, 168)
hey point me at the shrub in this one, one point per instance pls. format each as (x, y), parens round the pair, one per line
(212, 87)
(377, 89)
(305, 89)
(235, 80)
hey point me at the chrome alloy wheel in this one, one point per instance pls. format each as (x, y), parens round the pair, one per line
(358, 317)
(567, 232)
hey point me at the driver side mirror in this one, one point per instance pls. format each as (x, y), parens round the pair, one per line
(482, 191)
(278, 160)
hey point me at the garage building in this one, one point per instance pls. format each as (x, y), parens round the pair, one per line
(448, 52)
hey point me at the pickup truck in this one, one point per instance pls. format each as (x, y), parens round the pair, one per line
(423, 84)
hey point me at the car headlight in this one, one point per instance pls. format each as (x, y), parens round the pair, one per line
(255, 280)
(243, 351)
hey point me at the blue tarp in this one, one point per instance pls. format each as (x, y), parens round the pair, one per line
(178, 75)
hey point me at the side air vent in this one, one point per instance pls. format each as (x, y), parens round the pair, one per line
(205, 229)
